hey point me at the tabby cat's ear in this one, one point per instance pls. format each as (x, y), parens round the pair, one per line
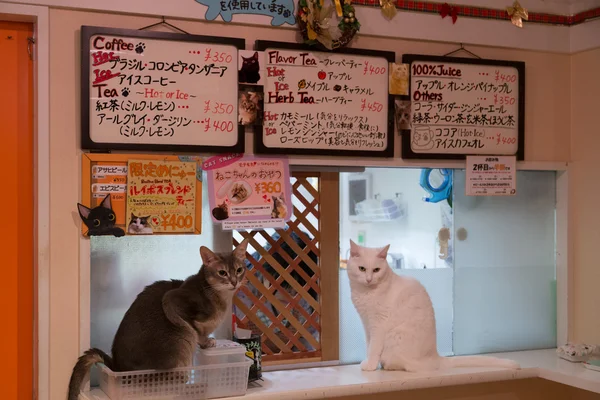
(354, 249)
(383, 252)
(240, 250)
(208, 257)
(84, 212)
(106, 202)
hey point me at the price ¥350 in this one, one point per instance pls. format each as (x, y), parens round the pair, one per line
(176, 221)
(267, 187)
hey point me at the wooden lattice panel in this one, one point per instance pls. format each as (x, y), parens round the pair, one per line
(281, 298)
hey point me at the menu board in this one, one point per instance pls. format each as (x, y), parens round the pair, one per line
(326, 103)
(159, 91)
(463, 106)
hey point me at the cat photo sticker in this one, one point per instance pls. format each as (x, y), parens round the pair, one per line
(250, 105)
(233, 192)
(251, 70)
(399, 74)
(100, 220)
(139, 225)
(402, 115)
(279, 207)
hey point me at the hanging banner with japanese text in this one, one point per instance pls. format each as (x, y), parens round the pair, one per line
(334, 104)
(161, 196)
(159, 91)
(248, 192)
(465, 107)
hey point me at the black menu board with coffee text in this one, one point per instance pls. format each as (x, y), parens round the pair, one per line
(159, 91)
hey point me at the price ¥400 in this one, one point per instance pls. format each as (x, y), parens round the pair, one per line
(176, 221)
(267, 187)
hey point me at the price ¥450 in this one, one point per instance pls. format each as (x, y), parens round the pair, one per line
(267, 187)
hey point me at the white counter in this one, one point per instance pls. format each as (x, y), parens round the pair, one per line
(319, 383)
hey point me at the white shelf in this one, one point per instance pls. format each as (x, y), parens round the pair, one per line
(319, 383)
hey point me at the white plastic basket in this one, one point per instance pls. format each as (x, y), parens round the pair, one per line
(198, 382)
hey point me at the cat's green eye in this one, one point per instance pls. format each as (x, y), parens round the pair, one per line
(362, 269)
(239, 270)
(222, 273)
(96, 222)
(377, 270)
(111, 217)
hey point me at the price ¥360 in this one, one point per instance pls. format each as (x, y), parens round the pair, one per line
(267, 187)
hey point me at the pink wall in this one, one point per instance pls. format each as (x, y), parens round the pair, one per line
(584, 192)
(547, 128)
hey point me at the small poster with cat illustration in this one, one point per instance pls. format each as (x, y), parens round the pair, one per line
(250, 64)
(247, 192)
(161, 197)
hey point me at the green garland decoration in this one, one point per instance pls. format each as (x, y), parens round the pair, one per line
(348, 25)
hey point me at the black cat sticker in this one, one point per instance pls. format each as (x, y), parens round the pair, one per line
(100, 220)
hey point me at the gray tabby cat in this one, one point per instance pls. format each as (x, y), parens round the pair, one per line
(169, 318)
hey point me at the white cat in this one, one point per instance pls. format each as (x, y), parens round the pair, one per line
(398, 318)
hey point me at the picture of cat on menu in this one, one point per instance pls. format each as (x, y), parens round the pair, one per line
(399, 79)
(250, 67)
(250, 105)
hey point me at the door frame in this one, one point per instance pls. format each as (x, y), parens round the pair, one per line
(39, 17)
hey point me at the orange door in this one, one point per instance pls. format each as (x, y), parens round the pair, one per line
(16, 205)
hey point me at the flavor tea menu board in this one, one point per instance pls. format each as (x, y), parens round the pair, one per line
(465, 107)
(334, 104)
(159, 91)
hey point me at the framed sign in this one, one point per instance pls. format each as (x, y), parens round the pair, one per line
(247, 192)
(159, 91)
(464, 106)
(334, 104)
(160, 191)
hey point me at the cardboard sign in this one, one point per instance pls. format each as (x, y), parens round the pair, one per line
(491, 176)
(249, 192)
